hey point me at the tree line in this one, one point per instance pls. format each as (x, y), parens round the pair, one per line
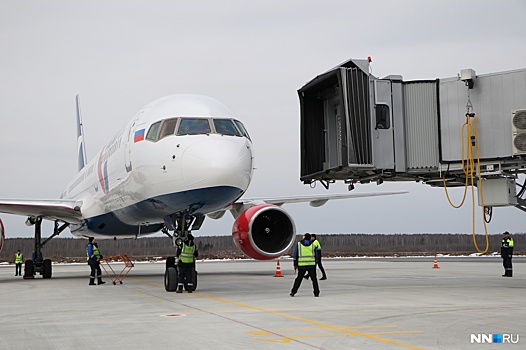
(74, 249)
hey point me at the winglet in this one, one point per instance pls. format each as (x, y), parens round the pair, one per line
(80, 138)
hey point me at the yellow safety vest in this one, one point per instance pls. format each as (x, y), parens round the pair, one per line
(19, 258)
(187, 254)
(316, 244)
(95, 249)
(306, 255)
(507, 242)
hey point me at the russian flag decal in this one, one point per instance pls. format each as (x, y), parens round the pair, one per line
(139, 136)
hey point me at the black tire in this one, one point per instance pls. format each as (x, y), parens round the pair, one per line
(194, 287)
(29, 269)
(170, 279)
(47, 269)
(170, 261)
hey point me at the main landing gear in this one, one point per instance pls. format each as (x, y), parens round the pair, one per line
(183, 223)
(38, 264)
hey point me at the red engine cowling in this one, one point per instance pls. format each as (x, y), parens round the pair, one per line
(264, 232)
(2, 235)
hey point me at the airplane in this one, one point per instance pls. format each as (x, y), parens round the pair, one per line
(180, 159)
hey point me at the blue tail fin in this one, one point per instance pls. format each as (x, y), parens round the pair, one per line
(80, 138)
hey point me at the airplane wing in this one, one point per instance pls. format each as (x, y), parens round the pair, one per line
(63, 210)
(314, 201)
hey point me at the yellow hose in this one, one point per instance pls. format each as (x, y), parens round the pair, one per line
(468, 167)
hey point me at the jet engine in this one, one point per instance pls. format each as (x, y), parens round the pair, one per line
(264, 232)
(2, 235)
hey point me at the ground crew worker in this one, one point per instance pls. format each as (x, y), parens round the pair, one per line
(317, 247)
(187, 253)
(19, 259)
(93, 257)
(506, 252)
(305, 263)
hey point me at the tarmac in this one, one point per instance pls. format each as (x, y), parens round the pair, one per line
(366, 303)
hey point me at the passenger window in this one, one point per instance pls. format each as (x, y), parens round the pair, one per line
(152, 133)
(194, 126)
(241, 127)
(226, 127)
(167, 128)
(382, 117)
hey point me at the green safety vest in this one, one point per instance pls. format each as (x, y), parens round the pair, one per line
(19, 258)
(187, 254)
(306, 255)
(96, 252)
(316, 244)
(507, 242)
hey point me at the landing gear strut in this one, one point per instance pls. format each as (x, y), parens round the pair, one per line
(182, 229)
(38, 264)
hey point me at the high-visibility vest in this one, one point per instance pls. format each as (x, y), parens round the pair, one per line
(316, 244)
(95, 251)
(19, 258)
(306, 255)
(507, 242)
(187, 254)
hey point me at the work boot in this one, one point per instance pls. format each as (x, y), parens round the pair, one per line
(179, 290)
(323, 278)
(100, 281)
(92, 281)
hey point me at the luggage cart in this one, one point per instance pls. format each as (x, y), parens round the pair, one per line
(114, 277)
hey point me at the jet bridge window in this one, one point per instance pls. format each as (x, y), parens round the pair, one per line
(226, 127)
(194, 126)
(382, 117)
(167, 128)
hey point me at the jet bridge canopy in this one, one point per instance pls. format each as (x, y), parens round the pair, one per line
(358, 128)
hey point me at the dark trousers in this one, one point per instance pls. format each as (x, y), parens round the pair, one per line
(508, 268)
(95, 268)
(185, 271)
(18, 269)
(322, 269)
(311, 271)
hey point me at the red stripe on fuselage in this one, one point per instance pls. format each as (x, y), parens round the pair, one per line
(99, 171)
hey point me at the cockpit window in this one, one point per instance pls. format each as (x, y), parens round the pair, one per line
(152, 133)
(242, 128)
(167, 128)
(194, 126)
(226, 127)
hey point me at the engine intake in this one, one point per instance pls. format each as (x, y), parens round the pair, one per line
(264, 232)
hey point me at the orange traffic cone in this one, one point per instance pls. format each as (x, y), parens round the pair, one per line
(435, 266)
(278, 271)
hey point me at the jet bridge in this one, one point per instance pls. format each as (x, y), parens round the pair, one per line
(465, 130)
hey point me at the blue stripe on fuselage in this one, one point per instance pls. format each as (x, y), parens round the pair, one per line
(194, 202)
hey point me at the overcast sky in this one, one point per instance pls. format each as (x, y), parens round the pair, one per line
(253, 57)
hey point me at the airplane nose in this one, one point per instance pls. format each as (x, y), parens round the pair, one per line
(218, 162)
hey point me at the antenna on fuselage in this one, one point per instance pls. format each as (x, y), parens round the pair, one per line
(80, 138)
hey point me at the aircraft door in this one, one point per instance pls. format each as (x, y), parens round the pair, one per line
(129, 142)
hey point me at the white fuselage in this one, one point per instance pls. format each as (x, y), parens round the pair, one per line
(142, 177)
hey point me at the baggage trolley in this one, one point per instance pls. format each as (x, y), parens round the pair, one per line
(114, 277)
